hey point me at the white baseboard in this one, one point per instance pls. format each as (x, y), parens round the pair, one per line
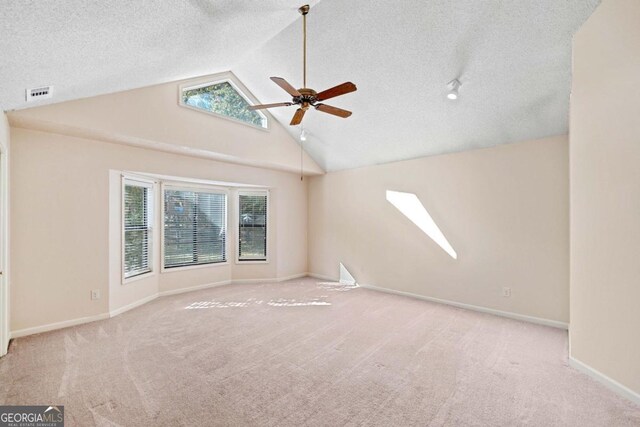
(510, 315)
(194, 288)
(233, 281)
(323, 277)
(292, 277)
(608, 382)
(272, 280)
(516, 316)
(133, 305)
(79, 321)
(57, 325)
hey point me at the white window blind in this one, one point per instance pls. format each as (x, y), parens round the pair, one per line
(194, 227)
(137, 219)
(252, 232)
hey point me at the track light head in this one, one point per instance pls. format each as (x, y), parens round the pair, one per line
(454, 86)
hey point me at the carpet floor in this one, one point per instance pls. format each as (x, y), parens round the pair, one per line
(306, 352)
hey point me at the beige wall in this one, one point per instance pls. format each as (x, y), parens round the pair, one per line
(4, 238)
(504, 210)
(605, 193)
(151, 115)
(65, 211)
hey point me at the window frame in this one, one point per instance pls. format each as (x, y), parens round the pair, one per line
(151, 205)
(181, 186)
(237, 86)
(240, 192)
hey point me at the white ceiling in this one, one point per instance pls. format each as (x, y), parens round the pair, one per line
(87, 47)
(512, 57)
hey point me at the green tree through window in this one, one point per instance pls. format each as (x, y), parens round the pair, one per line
(252, 226)
(222, 98)
(137, 229)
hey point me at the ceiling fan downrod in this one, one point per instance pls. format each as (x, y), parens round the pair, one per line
(303, 11)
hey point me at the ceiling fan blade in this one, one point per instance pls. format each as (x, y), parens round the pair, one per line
(261, 106)
(342, 89)
(333, 110)
(297, 117)
(286, 86)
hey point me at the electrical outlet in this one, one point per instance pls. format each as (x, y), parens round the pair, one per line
(506, 292)
(95, 294)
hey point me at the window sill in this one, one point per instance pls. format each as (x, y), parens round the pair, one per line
(126, 281)
(239, 262)
(194, 267)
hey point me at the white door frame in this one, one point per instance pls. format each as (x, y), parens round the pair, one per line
(4, 250)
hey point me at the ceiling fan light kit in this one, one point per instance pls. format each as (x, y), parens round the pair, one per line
(305, 97)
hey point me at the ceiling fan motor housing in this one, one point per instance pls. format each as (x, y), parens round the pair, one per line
(307, 98)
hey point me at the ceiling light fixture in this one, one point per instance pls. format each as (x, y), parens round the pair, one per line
(303, 135)
(453, 86)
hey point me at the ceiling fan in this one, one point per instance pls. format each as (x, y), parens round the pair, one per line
(306, 97)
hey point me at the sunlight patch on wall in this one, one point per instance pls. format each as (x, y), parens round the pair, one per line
(412, 208)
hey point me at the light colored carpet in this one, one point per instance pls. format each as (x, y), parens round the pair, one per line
(307, 353)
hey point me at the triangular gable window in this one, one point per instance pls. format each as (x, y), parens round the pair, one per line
(223, 98)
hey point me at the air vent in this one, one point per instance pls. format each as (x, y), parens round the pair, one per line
(39, 93)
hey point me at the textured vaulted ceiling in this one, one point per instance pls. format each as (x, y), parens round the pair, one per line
(88, 47)
(512, 57)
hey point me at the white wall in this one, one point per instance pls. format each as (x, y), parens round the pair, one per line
(4, 235)
(66, 223)
(505, 211)
(605, 194)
